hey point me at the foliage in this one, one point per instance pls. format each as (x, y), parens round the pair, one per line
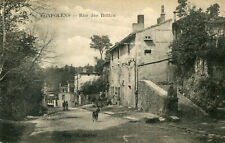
(21, 78)
(215, 55)
(16, 44)
(95, 86)
(196, 39)
(211, 94)
(100, 43)
(191, 42)
(181, 8)
(99, 66)
(213, 10)
(53, 76)
(21, 93)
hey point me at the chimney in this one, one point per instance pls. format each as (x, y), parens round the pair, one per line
(161, 19)
(140, 19)
(139, 25)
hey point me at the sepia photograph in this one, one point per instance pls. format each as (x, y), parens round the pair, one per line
(112, 71)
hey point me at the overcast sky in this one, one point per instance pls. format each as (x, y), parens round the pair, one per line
(72, 34)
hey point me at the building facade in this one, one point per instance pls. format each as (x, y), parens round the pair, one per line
(142, 55)
(49, 97)
(66, 94)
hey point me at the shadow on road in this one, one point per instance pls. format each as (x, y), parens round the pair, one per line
(10, 132)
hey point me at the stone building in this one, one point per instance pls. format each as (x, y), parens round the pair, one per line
(66, 93)
(49, 97)
(141, 56)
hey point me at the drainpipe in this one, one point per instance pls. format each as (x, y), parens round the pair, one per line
(136, 85)
(136, 79)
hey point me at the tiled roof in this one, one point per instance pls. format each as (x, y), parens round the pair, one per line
(127, 38)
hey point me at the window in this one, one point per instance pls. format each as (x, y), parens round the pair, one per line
(148, 52)
(220, 32)
(148, 38)
(118, 53)
(63, 97)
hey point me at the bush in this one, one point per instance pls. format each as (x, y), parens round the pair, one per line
(94, 87)
(211, 93)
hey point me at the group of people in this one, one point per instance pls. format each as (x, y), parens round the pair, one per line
(65, 105)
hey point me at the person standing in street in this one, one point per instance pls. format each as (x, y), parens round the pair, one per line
(66, 105)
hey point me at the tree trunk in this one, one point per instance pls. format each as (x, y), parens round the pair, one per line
(3, 37)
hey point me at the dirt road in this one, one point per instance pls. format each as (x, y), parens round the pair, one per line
(76, 126)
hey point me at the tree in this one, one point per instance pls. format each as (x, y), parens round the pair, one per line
(213, 10)
(99, 65)
(181, 9)
(100, 43)
(191, 41)
(94, 87)
(17, 45)
(9, 24)
(21, 77)
(197, 42)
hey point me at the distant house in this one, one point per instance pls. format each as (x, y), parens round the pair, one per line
(142, 55)
(66, 93)
(52, 99)
(49, 97)
(79, 80)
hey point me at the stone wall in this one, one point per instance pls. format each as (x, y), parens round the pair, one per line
(205, 85)
(151, 98)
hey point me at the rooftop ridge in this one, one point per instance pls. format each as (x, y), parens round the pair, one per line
(134, 33)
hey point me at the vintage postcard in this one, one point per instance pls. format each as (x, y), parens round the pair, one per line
(112, 71)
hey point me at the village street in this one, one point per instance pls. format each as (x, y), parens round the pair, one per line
(76, 125)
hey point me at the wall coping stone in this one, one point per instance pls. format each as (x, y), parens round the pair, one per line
(155, 87)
